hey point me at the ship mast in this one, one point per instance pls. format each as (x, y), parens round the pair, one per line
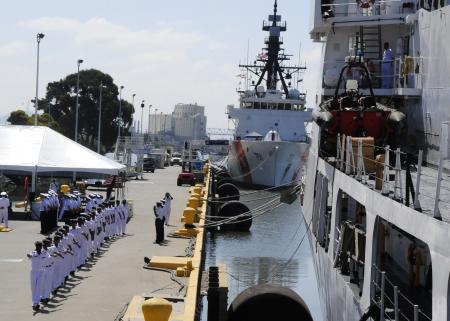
(269, 67)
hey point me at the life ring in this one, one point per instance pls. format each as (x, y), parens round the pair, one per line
(365, 4)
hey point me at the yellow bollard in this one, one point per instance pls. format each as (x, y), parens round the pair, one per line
(189, 215)
(156, 309)
(195, 195)
(193, 202)
(180, 272)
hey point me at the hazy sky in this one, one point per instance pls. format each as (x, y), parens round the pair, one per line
(165, 52)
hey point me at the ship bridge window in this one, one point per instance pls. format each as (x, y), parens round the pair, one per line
(406, 263)
(350, 240)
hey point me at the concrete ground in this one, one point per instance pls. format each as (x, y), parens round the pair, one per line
(102, 289)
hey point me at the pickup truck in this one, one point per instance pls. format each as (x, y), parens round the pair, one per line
(175, 161)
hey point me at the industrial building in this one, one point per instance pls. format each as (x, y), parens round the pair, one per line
(187, 122)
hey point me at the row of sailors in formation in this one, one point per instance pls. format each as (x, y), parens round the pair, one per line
(55, 259)
(68, 202)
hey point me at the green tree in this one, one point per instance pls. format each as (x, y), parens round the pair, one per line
(60, 100)
(46, 120)
(18, 117)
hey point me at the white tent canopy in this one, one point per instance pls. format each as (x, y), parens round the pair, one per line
(39, 149)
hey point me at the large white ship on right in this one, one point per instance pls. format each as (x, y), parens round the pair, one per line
(377, 189)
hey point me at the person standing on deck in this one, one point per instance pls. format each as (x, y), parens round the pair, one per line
(388, 71)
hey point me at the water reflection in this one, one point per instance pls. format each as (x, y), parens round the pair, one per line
(275, 251)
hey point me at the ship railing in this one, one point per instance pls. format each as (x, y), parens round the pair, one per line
(345, 8)
(404, 187)
(405, 72)
(394, 305)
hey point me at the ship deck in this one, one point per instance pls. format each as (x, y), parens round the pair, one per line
(102, 289)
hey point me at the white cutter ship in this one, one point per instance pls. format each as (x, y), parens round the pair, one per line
(377, 190)
(270, 143)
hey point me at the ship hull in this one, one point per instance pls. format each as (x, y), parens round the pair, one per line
(337, 300)
(266, 163)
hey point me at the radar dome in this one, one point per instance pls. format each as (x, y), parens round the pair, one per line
(293, 93)
(260, 89)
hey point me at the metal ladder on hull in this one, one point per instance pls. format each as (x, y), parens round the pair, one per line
(372, 47)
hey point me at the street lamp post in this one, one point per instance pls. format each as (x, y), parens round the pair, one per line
(149, 116)
(156, 109)
(165, 121)
(132, 103)
(79, 62)
(99, 118)
(119, 123)
(160, 123)
(39, 37)
(142, 116)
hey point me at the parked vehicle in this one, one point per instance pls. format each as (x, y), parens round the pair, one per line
(175, 160)
(149, 165)
(186, 178)
(97, 182)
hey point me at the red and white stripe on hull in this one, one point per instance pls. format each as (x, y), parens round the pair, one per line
(266, 163)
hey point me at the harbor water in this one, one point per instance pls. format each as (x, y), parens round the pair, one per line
(276, 250)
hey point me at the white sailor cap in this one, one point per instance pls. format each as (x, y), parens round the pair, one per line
(3, 194)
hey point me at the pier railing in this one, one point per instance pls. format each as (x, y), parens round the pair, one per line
(397, 175)
(393, 304)
(345, 8)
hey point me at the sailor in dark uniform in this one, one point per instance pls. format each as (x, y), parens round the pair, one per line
(159, 222)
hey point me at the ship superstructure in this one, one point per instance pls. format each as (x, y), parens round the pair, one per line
(270, 137)
(377, 192)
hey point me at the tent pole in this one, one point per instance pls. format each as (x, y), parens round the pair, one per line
(33, 181)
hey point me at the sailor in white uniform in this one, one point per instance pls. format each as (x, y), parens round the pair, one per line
(168, 198)
(4, 207)
(75, 231)
(126, 212)
(37, 258)
(163, 210)
(59, 264)
(47, 279)
(53, 186)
